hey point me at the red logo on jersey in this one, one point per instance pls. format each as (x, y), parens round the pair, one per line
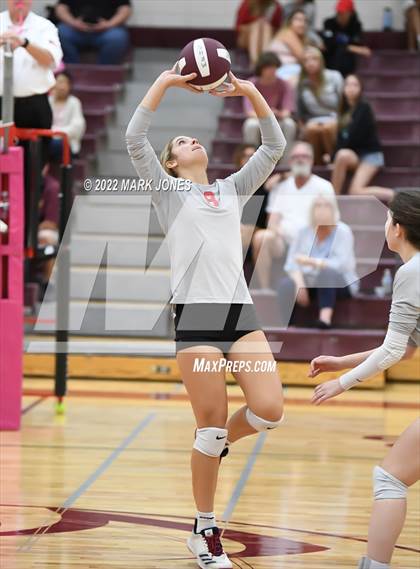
(211, 198)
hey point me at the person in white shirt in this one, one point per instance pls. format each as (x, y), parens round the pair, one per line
(37, 52)
(67, 116)
(288, 209)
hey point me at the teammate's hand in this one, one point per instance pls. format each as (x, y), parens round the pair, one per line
(236, 88)
(326, 391)
(171, 78)
(324, 363)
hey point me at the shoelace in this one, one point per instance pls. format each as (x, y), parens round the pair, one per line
(214, 544)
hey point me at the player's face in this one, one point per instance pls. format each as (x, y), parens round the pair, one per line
(188, 151)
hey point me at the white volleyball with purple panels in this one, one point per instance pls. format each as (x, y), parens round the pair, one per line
(209, 59)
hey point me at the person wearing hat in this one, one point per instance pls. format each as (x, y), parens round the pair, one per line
(342, 36)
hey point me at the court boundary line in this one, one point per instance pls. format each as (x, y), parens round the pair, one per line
(243, 479)
(33, 404)
(237, 523)
(87, 483)
(162, 396)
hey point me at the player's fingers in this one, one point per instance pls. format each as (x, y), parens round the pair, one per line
(233, 79)
(323, 399)
(316, 396)
(224, 93)
(188, 77)
(320, 398)
(313, 366)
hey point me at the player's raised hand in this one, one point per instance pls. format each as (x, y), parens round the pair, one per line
(320, 364)
(171, 78)
(326, 391)
(233, 88)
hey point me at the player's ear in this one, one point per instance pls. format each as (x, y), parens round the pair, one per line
(171, 164)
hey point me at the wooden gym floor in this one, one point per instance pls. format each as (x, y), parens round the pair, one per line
(107, 485)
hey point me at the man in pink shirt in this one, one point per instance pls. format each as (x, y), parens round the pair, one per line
(278, 94)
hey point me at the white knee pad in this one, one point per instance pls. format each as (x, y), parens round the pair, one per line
(261, 424)
(210, 441)
(386, 486)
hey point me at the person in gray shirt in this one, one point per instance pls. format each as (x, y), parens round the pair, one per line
(401, 468)
(215, 319)
(318, 96)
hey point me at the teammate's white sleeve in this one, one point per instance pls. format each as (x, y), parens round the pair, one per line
(391, 352)
(141, 151)
(256, 171)
(403, 320)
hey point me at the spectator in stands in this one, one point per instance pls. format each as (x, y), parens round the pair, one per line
(37, 51)
(318, 97)
(254, 214)
(98, 24)
(342, 36)
(289, 45)
(278, 94)
(358, 148)
(412, 17)
(308, 6)
(256, 22)
(288, 208)
(320, 264)
(67, 116)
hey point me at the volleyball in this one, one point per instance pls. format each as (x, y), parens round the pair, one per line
(209, 59)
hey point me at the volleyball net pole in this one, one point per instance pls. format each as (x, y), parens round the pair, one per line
(34, 178)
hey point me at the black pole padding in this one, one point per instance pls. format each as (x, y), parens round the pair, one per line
(33, 183)
(63, 284)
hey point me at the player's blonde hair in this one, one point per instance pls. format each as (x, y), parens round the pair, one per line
(167, 155)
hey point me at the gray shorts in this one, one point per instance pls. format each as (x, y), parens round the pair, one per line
(374, 159)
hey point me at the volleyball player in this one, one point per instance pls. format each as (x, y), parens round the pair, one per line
(213, 310)
(401, 467)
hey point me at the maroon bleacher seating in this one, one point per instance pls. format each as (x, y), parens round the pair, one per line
(303, 344)
(91, 74)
